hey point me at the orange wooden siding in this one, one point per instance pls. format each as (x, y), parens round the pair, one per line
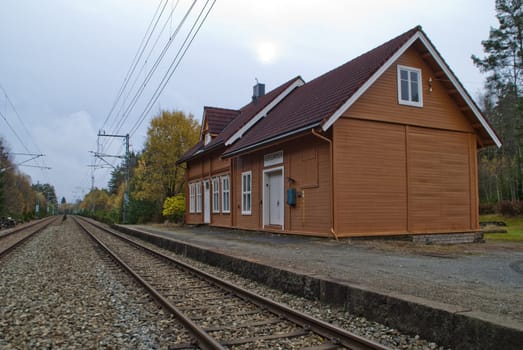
(250, 221)
(439, 180)
(370, 165)
(205, 168)
(306, 161)
(380, 101)
(308, 164)
(397, 179)
(403, 169)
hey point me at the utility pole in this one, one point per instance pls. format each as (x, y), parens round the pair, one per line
(127, 170)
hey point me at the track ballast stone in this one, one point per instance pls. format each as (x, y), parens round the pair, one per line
(58, 291)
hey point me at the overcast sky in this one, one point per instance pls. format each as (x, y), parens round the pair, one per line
(62, 63)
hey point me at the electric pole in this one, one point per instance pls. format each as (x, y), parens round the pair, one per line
(127, 170)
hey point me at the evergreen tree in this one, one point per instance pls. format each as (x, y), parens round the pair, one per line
(501, 170)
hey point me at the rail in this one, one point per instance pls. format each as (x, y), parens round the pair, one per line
(338, 337)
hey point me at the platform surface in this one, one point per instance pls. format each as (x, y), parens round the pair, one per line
(483, 278)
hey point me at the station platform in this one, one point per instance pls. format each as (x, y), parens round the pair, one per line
(431, 290)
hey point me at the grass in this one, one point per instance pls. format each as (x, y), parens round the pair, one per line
(514, 228)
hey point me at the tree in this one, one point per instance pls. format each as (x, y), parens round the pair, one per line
(5, 165)
(503, 61)
(48, 192)
(157, 176)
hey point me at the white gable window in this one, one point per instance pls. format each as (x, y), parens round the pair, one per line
(246, 193)
(207, 139)
(192, 197)
(409, 86)
(216, 194)
(226, 196)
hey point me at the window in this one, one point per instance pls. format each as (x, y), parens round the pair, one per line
(215, 194)
(207, 139)
(192, 190)
(409, 86)
(226, 197)
(246, 193)
(198, 186)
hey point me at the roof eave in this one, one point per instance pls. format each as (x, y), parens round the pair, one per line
(439, 60)
(261, 114)
(269, 140)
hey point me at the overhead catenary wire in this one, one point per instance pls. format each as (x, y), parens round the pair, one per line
(141, 49)
(153, 68)
(118, 122)
(137, 57)
(14, 132)
(128, 105)
(39, 160)
(174, 65)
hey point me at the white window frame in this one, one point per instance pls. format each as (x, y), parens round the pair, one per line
(198, 196)
(215, 194)
(247, 193)
(207, 139)
(410, 102)
(226, 194)
(192, 197)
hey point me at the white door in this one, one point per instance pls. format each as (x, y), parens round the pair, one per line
(206, 202)
(275, 200)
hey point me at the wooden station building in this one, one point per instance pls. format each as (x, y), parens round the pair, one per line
(385, 144)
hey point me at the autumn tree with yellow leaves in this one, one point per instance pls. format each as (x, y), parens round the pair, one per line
(156, 176)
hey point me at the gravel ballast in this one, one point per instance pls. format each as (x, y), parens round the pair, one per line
(58, 291)
(332, 314)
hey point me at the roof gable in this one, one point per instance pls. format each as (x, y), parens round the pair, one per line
(313, 103)
(242, 117)
(423, 39)
(263, 112)
(322, 101)
(215, 119)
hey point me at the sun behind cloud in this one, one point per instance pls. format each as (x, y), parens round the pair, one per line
(267, 51)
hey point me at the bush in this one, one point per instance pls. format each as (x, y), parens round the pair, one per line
(174, 208)
(142, 211)
(487, 208)
(510, 208)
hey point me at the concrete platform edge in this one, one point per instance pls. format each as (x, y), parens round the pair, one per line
(438, 322)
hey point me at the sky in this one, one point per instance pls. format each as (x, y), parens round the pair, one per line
(63, 64)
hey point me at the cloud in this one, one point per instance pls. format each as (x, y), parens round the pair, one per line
(66, 142)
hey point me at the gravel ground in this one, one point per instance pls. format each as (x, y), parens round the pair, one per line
(484, 277)
(335, 315)
(59, 292)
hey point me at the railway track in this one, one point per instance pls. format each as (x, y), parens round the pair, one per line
(18, 236)
(220, 315)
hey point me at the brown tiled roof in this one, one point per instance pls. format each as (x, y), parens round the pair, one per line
(250, 110)
(246, 113)
(314, 102)
(218, 118)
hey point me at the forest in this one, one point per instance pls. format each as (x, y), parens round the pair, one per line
(500, 169)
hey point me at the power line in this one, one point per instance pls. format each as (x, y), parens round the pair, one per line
(14, 132)
(172, 68)
(41, 161)
(153, 69)
(136, 58)
(118, 122)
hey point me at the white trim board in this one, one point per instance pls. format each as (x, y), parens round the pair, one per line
(261, 114)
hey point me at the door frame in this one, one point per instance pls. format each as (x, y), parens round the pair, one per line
(266, 204)
(206, 202)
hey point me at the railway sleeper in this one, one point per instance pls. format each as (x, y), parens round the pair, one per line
(293, 334)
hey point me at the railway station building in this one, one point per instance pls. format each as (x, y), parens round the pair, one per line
(385, 144)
